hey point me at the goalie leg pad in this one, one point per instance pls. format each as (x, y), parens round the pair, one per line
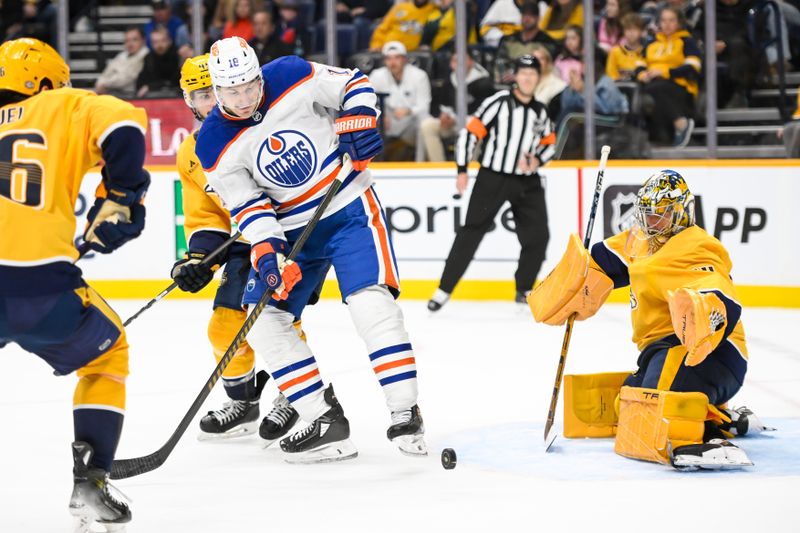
(589, 409)
(576, 285)
(653, 421)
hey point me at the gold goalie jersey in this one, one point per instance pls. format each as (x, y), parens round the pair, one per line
(690, 259)
(47, 143)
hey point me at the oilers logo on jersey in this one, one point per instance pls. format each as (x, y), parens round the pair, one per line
(287, 158)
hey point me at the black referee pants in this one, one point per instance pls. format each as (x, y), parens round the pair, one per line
(526, 195)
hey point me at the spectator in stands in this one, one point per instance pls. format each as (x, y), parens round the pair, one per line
(440, 127)
(119, 76)
(266, 44)
(550, 84)
(608, 99)
(161, 71)
(503, 18)
(624, 57)
(523, 42)
(560, 15)
(408, 99)
(609, 31)
(670, 71)
(790, 133)
(290, 28)
(241, 24)
(403, 23)
(350, 11)
(570, 60)
(162, 16)
(734, 50)
(30, 18)
(440, 29)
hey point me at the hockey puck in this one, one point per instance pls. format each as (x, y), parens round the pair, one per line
(449, 458)
(457, 196)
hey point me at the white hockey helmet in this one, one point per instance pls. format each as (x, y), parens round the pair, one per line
(233, 62)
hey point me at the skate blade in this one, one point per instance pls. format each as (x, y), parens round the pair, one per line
(329, 453)
(85, 522)
(412, 445)
(242, 430)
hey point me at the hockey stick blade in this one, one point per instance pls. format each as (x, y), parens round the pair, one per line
(125, 468)
(207, 259)
(605, 151)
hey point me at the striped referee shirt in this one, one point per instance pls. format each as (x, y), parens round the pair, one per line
(508, 129)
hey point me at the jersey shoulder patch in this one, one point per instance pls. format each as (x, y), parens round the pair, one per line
(284, 74)
(215, 136)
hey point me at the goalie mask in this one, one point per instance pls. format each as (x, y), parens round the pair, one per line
(664, 207)
(236, 75)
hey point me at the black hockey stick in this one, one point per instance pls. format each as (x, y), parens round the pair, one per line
(551, 413)
(207, 259)
(124, 468)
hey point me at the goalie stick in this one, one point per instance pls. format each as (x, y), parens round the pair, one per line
(124, 468)
(551, 413)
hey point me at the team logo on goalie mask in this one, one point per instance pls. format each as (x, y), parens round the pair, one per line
(287, 158)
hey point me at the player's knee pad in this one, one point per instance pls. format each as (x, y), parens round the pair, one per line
(653, 421)
(275, 338)
(377, 317)
(222, 329)
(99, 391)
(589, 404)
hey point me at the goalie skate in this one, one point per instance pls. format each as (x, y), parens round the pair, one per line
(744, 422)
(716, 454)
(408, 432)
(95, 503)
(325, 440)
(278, 421)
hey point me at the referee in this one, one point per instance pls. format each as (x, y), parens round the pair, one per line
(518, 138)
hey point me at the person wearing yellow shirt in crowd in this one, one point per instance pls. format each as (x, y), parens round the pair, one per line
(790, 133)
(503, 18)
(208, 225)
(403, 23)
(670, 71)
(440, 29)
(50, 136)
(626, 56)
(560, 15)
(686, 322)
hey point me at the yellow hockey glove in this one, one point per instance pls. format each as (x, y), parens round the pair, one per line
(698, 320)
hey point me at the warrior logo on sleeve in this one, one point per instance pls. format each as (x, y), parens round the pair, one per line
(287, 158)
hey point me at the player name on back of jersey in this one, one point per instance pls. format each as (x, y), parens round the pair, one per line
(10, 114)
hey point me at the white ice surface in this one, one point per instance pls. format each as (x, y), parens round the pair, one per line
(486, 372)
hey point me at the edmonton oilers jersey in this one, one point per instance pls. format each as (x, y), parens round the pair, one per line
(273, 169)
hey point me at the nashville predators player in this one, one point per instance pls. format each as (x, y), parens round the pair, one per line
(208, 225)
(686, 324)
(50, 135)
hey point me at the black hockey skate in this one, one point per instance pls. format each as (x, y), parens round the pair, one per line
(522, 297)
(438, 299)
(279, 421)
(91, 500)
(716, 454)
(325, 440)
(408, 432)
(237, 418)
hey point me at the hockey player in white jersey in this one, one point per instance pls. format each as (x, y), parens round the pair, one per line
(271, 150)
